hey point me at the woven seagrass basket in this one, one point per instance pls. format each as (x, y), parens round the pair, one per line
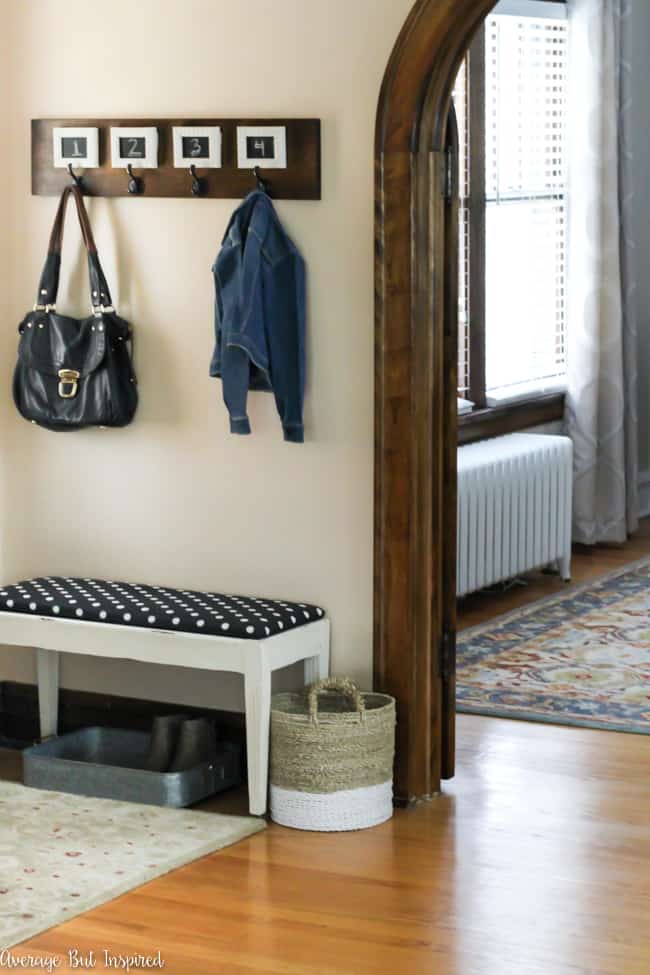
(332, 750)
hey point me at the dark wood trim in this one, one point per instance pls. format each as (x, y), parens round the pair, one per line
(301, 180)
(447, 662)
(477, 218)
(495, 421)
(414, 429)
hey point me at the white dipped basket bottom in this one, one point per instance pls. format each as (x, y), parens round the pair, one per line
(332, 750)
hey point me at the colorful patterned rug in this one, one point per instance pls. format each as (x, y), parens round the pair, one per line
(579, 658)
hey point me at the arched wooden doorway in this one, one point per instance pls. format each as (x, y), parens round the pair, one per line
(415, 388)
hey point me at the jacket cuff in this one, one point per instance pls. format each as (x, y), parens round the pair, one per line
(240, 425)
(294, 433)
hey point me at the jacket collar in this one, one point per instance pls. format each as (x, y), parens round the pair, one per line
(254, 213)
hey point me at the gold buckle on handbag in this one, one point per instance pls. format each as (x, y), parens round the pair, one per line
(68, 378)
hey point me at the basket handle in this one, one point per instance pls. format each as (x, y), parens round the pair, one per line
(341, 684)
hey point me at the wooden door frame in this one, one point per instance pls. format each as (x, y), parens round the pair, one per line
(415, 409)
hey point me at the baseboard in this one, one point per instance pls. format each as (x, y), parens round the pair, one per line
(644, 493)
(19, 722)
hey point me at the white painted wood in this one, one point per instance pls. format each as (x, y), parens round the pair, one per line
(257, 691)
(319, 665)
(324, 656)
(256, 660)
(312, 669)
(47, 671)
(193, 650)
(545, 11)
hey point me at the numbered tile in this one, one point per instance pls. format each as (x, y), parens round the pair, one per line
(197, 144)
(261, 145)
(79, 146)
(135, 146)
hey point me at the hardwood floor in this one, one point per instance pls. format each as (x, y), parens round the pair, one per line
(587, 563)
(534, 861)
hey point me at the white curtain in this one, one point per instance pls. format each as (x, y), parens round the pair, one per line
(602, 339)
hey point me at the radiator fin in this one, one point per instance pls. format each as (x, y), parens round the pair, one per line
(514, 508)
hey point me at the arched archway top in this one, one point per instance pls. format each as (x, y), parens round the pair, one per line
(421, 71)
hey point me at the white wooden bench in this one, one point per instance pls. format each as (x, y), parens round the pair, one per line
(31, 617)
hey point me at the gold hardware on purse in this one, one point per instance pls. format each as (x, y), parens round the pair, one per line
(67, 378)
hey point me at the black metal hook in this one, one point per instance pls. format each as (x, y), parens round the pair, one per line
(261, 183)
(135, 184)
(198, 183)
(78, 180)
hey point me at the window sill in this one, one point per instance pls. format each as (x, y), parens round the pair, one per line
(495, 421)
(524, 392)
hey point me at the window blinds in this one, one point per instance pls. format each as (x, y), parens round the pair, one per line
(526, 69)
(461, 104)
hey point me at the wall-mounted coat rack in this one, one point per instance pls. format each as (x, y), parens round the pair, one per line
(218, 158)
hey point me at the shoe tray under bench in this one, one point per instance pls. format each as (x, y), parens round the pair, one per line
(110, 764)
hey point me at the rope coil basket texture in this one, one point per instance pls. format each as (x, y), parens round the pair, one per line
(332, 750)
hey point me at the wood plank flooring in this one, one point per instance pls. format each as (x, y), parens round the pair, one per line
(587, 563)
(534, 861)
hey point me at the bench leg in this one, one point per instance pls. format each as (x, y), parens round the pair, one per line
(319, 666)
(257, 690)
(313, 670)
(47, 670)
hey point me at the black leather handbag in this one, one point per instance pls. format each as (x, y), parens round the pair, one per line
(74, 373)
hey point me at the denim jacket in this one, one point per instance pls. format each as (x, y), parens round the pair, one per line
(260, 312)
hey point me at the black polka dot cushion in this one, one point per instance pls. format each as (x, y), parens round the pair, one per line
(156, 607)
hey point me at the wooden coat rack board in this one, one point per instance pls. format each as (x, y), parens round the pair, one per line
(300, 180)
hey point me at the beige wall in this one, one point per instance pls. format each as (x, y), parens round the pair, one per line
(175, 498)
(4, 142)
(10, 487)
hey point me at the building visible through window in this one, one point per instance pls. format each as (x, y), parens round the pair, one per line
(510, 99)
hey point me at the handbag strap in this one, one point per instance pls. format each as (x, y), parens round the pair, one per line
(56, 237)
(48, 287)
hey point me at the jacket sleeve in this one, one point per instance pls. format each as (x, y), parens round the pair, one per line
(236, 373)
(215, 362)
(286, 340)
(231, 363)
(240, 349)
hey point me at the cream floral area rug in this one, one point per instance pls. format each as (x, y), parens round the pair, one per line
(580, 658)
(61, 855)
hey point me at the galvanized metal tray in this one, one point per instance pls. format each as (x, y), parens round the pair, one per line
(109, 763)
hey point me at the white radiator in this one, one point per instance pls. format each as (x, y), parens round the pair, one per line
(514, 508)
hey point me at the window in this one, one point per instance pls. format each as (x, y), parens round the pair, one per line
(510, 99)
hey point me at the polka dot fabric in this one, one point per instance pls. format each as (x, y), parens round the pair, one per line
(156, 607)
